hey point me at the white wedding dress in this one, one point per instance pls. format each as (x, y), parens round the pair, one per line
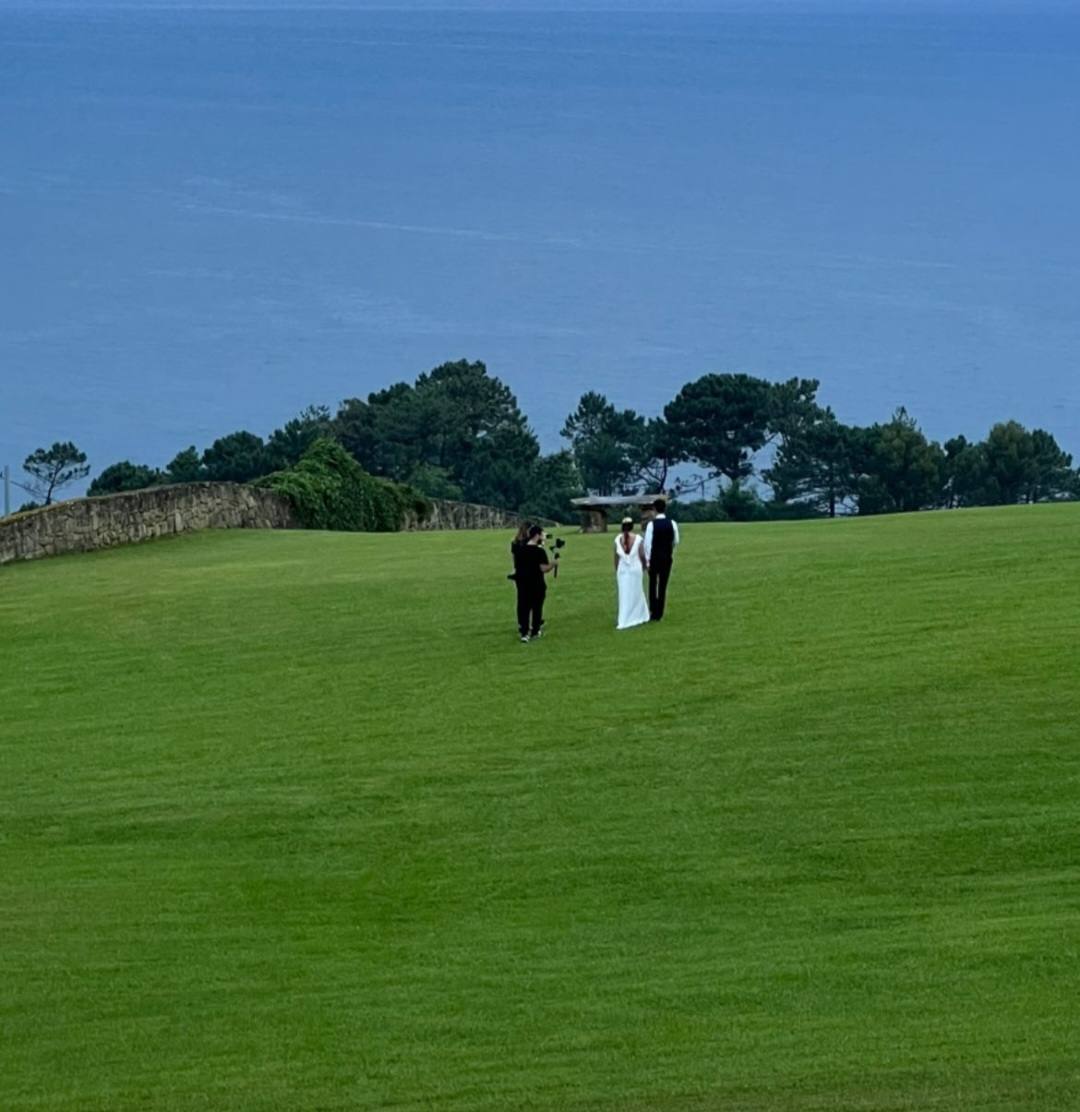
(633, 605)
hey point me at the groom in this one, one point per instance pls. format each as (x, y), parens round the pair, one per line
(661, 540)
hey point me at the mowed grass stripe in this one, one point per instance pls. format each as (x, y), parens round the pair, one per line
(293, 821)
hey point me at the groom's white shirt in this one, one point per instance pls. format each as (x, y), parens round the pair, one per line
(648, 535)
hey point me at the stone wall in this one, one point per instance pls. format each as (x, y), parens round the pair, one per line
(85, 524)
(463, 515)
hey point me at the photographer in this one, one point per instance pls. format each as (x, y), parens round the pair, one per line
(531, 564)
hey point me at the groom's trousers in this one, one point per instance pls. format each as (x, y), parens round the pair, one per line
(659, 574)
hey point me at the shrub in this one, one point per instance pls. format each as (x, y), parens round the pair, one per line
(733, 503)
(328, 489)
(124, 476)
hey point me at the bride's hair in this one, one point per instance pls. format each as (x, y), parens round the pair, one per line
(627, 524)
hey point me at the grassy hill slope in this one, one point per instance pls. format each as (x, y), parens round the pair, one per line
(292, 821)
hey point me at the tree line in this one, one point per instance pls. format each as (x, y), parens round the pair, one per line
(769, 448)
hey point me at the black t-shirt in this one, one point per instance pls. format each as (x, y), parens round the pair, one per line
(528, 561)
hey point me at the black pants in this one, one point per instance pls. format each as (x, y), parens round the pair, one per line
(530, 610)
(659, 574)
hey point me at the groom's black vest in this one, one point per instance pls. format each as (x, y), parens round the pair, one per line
(663, 540)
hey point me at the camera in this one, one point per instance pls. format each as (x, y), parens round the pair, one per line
(557, 544)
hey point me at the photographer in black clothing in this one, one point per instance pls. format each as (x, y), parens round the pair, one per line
(531, 564)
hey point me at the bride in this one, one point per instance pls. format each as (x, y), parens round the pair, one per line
(629, 565)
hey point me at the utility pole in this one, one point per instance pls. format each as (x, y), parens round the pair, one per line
(7, 490)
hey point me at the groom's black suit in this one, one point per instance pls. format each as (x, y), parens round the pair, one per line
(660, 561)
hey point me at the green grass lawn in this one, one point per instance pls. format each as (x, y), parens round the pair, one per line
(292, 821)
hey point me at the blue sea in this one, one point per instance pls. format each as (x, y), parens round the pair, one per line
(210, 219)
